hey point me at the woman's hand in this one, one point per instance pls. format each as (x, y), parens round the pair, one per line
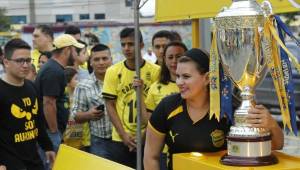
(260, 117)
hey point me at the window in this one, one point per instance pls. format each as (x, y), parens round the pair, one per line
(19, 19)
(128, 3)
(100, 16)
(64, 18)
(84, 16)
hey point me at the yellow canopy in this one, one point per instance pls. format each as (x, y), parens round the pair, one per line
(169, 10)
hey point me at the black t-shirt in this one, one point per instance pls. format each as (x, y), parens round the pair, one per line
(21, 126)
(51, 81)
(181, 134)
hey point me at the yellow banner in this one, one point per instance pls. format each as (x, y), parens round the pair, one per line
(214, 78)
(170, 10)
(274, 65)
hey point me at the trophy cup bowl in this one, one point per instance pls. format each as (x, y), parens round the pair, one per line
(239, 41)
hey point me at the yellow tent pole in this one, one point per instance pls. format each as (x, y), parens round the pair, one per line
(195, 33)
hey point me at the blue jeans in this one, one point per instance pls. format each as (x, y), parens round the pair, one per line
(100, 147)
(56, 140)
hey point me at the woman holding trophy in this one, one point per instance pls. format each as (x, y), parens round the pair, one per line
(182, 120)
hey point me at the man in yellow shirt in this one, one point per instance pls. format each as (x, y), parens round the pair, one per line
(159, 41)
(120, 98)
(42, 38)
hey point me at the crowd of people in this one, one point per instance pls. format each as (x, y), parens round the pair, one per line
(64, 91)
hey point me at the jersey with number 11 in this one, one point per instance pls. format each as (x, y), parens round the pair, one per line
(118, 86)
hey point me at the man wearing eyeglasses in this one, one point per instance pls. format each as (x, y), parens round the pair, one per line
(51, 84)
(21, 118)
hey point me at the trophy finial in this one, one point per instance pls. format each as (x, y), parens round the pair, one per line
(267, 8)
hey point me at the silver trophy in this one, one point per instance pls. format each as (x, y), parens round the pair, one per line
(240, 46)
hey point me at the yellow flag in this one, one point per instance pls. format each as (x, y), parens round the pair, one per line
(274, 65)
(214, 78)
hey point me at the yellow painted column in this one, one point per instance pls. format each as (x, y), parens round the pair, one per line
(195, 33)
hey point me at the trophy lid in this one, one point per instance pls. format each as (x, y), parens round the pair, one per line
(242, 8)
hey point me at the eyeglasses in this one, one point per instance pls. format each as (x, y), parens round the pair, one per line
(22, 61)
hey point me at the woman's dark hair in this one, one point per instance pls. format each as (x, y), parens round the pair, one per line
(165, 76)
(199, 56)
(92, 38)
(70, 73)
(79, 49)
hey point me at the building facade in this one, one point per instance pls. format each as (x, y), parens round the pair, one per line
(64, 11)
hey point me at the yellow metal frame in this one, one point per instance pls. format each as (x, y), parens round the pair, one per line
(171, 10)
(195, 33)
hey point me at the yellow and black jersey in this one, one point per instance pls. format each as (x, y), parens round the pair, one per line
(35, 55)
(157, 92)
(170, 118)
(118, 86)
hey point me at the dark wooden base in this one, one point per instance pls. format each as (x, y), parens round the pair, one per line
(248, 161)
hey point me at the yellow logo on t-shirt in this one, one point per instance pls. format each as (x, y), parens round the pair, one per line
(30, 131)
(20, 113)
(217, 138)
(173, 135)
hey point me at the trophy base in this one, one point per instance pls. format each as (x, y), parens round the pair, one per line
(247, 146)
(248, 161)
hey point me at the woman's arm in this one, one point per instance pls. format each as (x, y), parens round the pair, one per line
(260, 117)
(153, 147)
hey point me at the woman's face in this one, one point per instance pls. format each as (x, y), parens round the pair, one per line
(172, 54)
(82, 57)
(191, 83)
(43, 59)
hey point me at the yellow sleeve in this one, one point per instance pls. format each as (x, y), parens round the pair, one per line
(35, 54)
(150, 101)
(156, 74)
(110, 84)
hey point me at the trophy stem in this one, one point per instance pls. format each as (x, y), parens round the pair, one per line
(242, 111)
